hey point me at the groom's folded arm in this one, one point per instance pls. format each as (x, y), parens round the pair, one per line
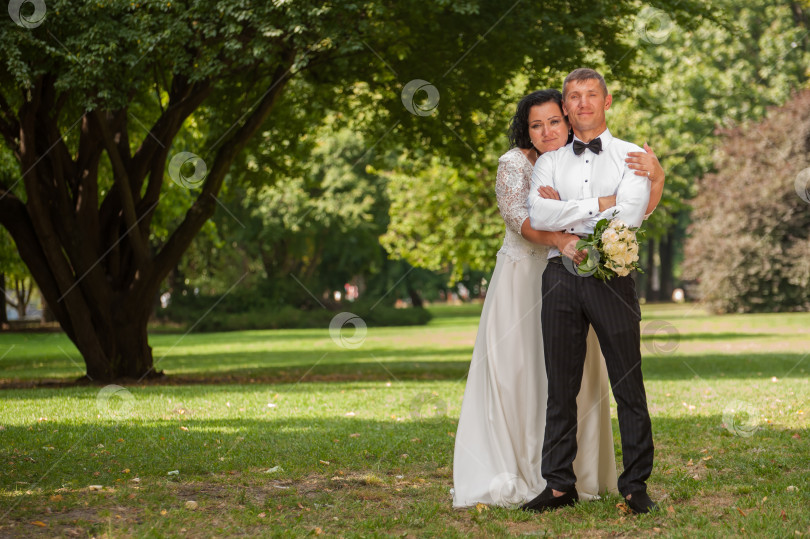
(632, 197)
(549, 214)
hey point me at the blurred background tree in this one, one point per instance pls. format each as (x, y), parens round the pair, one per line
(749, 244)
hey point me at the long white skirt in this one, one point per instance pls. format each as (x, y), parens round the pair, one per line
(503, 415)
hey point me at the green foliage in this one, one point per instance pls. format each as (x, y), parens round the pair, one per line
(249, 310)
(749, 246)
(701, 72)
(442, 218)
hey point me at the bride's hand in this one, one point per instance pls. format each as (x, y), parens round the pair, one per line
(568, 248)
(548, 192)
(645, 164)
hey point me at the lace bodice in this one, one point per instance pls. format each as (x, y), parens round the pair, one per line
(512, 189)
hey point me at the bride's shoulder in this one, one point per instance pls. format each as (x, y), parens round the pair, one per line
(513, 156)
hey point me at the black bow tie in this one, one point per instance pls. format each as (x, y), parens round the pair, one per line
(595, 146)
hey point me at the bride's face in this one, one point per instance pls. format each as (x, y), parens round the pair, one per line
(548, 128)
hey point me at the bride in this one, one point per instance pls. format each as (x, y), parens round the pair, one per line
(500, 431)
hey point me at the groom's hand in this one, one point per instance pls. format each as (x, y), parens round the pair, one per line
(568, 248)
(548, 192)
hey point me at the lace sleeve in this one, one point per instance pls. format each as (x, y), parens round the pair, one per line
(512, 190)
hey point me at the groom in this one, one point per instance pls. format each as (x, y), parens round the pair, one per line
(591, 166)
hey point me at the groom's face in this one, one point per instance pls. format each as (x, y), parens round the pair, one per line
(585, 104)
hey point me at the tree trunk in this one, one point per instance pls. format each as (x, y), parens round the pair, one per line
(649, 290)
(23, 296)
(416, 299)
(667, 278)
(91, 258)
(127, 354)
(3, 315)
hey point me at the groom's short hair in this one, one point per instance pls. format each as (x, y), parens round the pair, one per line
(584, 73)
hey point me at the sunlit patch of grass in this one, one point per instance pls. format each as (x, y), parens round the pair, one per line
(367, 450)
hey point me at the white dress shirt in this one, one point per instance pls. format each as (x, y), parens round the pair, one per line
(581, 180)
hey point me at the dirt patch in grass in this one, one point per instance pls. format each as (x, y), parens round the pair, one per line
(289, 376)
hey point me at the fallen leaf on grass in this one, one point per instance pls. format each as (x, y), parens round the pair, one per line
(318, 531)
(796, 436)
(783, 515)
(39, 523)
(354, 435)
(183, 428)
(671, 510)
(791, 488)
(192, 505)
(742, 512)
(324, 462)
(261, 515)
(481, 507)
(621, 506)
(96, 487)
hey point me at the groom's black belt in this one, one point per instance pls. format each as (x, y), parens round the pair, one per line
(556, 260)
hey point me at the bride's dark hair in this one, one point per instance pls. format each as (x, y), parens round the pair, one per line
(519, 125)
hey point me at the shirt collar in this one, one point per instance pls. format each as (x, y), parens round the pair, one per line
(605, 136)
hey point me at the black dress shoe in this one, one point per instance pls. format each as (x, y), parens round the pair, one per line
(546, 501)
(639, 502)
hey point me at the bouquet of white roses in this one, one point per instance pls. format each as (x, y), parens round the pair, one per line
(612, 250)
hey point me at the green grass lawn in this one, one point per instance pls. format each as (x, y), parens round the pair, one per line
(286, 433)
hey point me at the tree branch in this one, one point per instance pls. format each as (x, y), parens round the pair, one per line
(121, 177)
(204, 206)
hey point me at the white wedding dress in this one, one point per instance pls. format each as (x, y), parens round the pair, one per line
(503, 415)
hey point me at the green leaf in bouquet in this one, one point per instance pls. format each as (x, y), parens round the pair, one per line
(600, 226)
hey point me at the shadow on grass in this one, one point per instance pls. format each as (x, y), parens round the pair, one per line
(396, 365)
(107, 452)
(706, 336)
(724, 366)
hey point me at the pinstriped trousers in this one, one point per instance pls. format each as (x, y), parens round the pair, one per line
(570, 304)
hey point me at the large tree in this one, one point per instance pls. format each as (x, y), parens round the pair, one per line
(749, 247)
(94, 96)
